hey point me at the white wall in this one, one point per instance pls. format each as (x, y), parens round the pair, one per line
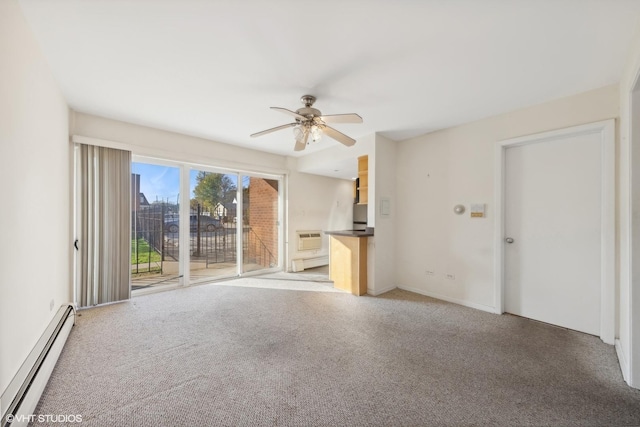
(323, 162)
(316, 203)
(382, 184)
(628, 345)
(152, 142)
(456, 166)
(35, 254)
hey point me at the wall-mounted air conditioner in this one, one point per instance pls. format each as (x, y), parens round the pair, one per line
(309, 240)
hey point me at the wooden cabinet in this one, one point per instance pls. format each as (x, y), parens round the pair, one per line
(362, 189)
(348, 263)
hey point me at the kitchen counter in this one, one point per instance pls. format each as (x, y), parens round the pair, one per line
(348, 259)
(352, 233)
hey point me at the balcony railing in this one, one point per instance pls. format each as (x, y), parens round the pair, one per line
(153, 244)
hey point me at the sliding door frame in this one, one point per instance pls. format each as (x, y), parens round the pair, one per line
(186, 203)
(137, 158)
(185, 162)
(280, 222)
(185, 198)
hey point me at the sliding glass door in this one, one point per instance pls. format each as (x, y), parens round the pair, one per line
(196, 224)
(261, 223)
(213, 237)
(155, 216)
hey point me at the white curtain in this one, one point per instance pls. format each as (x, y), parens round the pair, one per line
(104, 239)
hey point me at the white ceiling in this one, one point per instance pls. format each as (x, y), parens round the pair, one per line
(213, 68)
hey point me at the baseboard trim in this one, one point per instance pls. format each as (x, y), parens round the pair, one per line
(622, 360)
(373, 293)
(469, 304)
(21, 397)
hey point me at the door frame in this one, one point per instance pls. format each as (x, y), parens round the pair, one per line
(606, 130)
(240, 173)
(185, 169)
(280, 223)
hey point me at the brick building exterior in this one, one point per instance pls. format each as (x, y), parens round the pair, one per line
(263, 217)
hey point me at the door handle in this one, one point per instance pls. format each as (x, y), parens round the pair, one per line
(509, 240)
(75, 245)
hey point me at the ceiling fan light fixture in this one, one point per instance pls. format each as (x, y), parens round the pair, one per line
(298, 133)
(310, 124)
(316, 133)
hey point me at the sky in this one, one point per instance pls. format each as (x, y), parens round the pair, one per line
(159, 182)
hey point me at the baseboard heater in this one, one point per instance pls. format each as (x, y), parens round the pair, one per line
(23, 393)
(302, 264)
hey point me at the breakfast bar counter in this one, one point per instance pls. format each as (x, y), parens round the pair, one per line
(348, 259)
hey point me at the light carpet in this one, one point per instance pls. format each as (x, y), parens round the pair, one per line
(224, 355)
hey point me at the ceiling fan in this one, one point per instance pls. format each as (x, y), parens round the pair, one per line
(310, 123)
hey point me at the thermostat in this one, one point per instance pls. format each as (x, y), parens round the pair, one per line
(477, 210)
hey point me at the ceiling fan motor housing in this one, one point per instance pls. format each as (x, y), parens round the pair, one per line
(309, 112)
(308, 100)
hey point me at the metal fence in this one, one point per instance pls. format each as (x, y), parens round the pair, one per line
(153, 243)
(254, 251)
(147, 236)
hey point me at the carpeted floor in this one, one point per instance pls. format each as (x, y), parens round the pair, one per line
(271, 355)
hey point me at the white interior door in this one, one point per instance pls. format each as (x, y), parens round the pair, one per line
(553, 214)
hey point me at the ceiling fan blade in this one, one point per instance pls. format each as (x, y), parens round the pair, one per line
(289, 112)
(301, 145)
(264, 132)
(342, 118)
(338, 136)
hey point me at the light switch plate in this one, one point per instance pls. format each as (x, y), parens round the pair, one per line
(385, 207)
(477, 210)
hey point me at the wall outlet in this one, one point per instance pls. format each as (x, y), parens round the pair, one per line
(51, 304)
(429, 272)
(450, 276)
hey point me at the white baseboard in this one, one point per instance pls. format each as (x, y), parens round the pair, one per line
(373, 293)
(622, 360)
(469, 304)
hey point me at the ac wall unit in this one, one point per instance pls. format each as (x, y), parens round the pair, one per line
(309, 240)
